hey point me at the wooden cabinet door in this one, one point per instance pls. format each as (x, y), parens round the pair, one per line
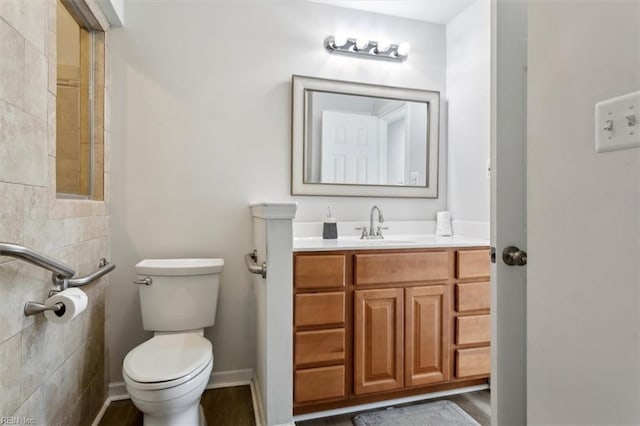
(426, 335)
(378, 330)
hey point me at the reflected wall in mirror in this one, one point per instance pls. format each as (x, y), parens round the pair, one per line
(358, 139)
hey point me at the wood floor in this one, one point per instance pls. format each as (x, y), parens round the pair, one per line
(476, 404)
(222, 407)
(233, 407)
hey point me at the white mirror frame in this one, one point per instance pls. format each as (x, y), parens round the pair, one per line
(300, 84)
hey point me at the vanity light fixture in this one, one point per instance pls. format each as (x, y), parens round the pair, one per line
(396, 52)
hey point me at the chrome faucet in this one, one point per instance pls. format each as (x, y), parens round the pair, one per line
(380, 220)
(377, 234)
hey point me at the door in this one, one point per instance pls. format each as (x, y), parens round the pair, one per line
(378, 338)
(508, 206)
(426, 335)
(349, 148)
(583, 295)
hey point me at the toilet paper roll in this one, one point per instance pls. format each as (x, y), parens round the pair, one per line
(443, 224)
(74, 301)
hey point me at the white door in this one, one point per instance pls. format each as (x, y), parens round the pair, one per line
(349, 148)
(583, 291)
(508, 207)
(577, 360)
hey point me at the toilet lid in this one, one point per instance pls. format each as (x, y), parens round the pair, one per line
(167, 357)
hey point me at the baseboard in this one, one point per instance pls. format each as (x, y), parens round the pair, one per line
(258, 403)
(227, 379)
(100, 414)
(118, 391)
(218, 379)
(387, 403)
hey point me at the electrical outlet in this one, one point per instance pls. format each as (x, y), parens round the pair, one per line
(414, 178)
(618, 123)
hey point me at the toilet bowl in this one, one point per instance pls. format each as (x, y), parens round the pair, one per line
(165, 377)
(167, 374)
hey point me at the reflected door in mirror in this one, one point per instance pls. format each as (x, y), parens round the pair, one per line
(349, 148)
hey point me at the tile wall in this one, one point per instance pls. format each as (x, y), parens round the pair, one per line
(54, 374)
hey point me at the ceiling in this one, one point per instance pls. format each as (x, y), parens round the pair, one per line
(438, 11)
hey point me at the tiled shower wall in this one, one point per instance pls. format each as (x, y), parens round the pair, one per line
(54, 374)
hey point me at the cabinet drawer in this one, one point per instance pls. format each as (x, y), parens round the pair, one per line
(472, 264)
(473, 329)
(319, 346)
(473, 362)
(472, 296)
(321, 271)
(401, 267)
(315, 384)
(319, 309)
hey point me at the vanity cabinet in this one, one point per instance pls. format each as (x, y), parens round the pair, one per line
(472, 321)
(377, 324)
(401, 338)
(319, 320)
(378, 337)
(426, 335)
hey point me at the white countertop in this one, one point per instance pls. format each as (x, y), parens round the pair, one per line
(401, 241)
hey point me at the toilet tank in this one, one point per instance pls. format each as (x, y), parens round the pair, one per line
(182, 294)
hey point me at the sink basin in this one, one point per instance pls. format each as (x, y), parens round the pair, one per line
(352, 242)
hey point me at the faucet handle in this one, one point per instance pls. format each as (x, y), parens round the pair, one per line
(364, 231)
(380, 229)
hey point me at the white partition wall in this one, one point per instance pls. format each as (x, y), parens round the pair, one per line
(273, 239)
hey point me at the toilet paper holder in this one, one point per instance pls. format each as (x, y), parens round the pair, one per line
(33, 308)
(62, 274)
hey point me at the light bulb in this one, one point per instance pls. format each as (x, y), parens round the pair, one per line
(383, 46)
(361, 44)
(403, 48)
(339, 40)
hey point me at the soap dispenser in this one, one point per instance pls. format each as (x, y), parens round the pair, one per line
(330, 227)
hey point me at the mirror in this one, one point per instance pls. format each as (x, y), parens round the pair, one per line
(354, 139)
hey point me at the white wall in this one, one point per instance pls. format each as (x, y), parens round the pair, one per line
(201, 128)
(583, 218)
(468, 93)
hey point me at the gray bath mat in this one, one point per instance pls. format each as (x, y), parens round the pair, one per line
(439, 413)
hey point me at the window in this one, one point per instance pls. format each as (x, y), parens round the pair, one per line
(79, 105)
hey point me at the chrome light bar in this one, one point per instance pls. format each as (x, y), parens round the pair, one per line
(367, 49)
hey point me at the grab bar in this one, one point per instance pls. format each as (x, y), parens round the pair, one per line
(103, 268)
(61, 271)
(251, 259)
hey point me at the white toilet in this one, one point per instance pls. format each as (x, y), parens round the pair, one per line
(166, 375)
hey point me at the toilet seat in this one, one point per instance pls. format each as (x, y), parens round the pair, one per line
(168, 360)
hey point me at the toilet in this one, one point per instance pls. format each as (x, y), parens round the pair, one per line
(166, 375)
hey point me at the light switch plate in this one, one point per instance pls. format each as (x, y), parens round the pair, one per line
(618, 123)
